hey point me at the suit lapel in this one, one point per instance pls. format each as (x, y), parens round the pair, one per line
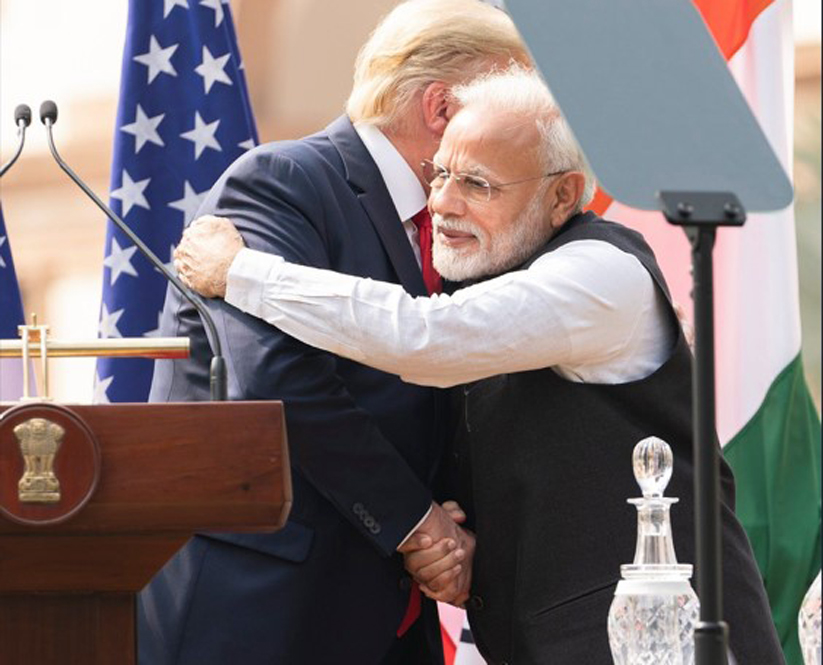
(364, 177)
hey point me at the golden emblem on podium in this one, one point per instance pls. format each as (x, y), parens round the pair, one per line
(50, 458)
(39, 441)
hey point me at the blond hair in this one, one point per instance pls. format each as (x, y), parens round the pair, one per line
(423, 41)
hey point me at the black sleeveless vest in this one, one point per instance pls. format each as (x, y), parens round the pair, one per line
(545, 470)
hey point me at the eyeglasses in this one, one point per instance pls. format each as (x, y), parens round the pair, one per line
(473, 187)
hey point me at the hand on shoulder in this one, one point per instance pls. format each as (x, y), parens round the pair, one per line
(205, 254)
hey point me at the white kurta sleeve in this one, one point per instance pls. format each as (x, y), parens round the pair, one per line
(584, 305)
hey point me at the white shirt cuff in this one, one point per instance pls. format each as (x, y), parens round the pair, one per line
(244, 286)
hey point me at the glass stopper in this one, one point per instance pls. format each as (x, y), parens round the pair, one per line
(652, 462)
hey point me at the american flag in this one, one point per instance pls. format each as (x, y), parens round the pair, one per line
(184, 116)
(11, 316)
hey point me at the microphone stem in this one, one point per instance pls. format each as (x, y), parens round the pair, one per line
(10, 163)
(217, 372)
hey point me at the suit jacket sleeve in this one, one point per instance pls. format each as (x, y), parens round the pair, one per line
(334, 443)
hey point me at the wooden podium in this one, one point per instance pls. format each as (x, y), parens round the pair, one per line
(135, 481)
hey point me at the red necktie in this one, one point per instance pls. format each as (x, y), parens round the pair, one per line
(412, 610)
(434, 284)
(423, 221)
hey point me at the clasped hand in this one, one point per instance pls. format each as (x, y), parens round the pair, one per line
(439, 554)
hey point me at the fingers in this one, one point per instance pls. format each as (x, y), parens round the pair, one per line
(205, 219)
(184, 270)
(451, 595)
(205, 253)
(444, 570)
(454, 511)
(181, 267)
(457, 593)
(219, 229)
(181, 271)
(200, 281)
(420, 558)
(417, 541)
(210, 221)
(210, 225)
(439, 574)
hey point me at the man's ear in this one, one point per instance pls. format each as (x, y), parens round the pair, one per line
(568, 190)
(438, 109)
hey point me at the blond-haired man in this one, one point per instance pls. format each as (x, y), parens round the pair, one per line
(365, 446)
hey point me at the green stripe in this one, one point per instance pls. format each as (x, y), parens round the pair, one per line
(776, 462)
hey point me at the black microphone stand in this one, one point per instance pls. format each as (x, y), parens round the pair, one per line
(700, 214)
(22, 118)
(217, 371)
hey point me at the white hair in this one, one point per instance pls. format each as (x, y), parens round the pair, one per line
(522, 92)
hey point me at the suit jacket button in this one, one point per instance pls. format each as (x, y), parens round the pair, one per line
(358, 509)
(476, 603)
(405, 583)
(369, 522)
(376, 529)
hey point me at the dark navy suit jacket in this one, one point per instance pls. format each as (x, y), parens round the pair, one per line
(364, 446)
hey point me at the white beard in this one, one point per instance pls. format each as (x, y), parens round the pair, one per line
(496, 253)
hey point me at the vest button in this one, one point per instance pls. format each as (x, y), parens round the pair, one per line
(476, 603)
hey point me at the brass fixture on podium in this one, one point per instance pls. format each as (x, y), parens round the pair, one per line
(94, 499)
(34, 342)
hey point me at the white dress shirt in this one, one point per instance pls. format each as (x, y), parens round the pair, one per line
(588, 310)
(405, 189)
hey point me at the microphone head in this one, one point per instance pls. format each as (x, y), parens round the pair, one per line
(48, 111)
(22, 114)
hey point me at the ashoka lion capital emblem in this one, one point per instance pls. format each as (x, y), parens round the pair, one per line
(39, 441)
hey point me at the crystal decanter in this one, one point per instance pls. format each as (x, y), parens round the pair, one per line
(809, 625)
(655, 610)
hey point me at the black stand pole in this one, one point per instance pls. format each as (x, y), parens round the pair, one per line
(700, 214)
(711, 634)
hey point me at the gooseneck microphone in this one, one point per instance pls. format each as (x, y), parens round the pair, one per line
(22, 118)
(217, 374)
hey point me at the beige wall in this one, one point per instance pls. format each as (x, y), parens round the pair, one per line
(299, 57)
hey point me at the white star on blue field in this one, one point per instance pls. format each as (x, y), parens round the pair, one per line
(183, 117)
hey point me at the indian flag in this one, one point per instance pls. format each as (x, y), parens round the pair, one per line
(766, 420)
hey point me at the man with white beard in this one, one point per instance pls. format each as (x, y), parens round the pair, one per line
(566, 350)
